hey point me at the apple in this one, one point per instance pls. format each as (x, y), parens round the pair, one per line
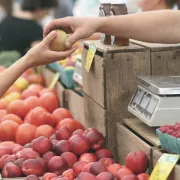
(58, 44)
(143, 176)
(123, 172)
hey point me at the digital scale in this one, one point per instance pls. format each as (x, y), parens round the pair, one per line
(157, 100)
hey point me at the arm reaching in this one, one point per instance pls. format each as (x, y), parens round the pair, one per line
(158, 26)
(38, 55)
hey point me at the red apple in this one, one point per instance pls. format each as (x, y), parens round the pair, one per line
(107, 161)
(78, 167)
(31, 177)
(86, 176)
(48, 156)
(63, 134)
(98, 168)
(105, 176)
(123, 172)
(143, 176)
(103, 153)
(70, 158)
(88, 167)
(79, 132)
(62, 146)
(49, 176)
(88, 157)
(130, 177)
(114, 168)
(69, 174)
(137, 162)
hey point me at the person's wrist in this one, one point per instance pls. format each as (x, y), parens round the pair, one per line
(100, 24)
(25, 62)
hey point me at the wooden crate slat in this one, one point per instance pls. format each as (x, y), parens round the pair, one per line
(142, 129)
(104, 49)
(156, 46)
(128, 142)
(93, 81)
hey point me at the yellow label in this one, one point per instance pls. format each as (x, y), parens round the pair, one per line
(54, 81)
(90, 57)
(164, 167)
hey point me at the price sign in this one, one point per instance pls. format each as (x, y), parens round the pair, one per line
(164, 167)
(90, 57)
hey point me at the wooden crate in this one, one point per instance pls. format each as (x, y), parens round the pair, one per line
(165, 58)
(111, 83)
(75, 103)
(48, 76)
(134, 135)
(175, 175)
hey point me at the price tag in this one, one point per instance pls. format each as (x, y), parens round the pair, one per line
(90, 57)
(54, 81)
(164, 167)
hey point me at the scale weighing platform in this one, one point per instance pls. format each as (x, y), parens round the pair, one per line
(157, 100)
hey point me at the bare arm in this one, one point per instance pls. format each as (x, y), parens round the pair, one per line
(158, 26)
(38, 55)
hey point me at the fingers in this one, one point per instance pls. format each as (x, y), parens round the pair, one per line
(62, 24)
(72, 39)
(49, 38)
(63, 54)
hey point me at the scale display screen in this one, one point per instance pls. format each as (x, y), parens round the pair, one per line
(144, 103)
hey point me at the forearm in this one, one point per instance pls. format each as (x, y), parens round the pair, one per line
(11, 74)
(157, 27)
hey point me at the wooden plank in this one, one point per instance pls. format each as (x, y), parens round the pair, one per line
(128, 142)
(48, 76)
(166, 63)
(60, 90)
(121, 71)
(93, 81)
(143, 130)
(114, 49)
(156, 46)
(175, 175)
(76, 105)
(95, 115)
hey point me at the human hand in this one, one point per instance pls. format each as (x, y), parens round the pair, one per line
(79, 28)
(40, 54)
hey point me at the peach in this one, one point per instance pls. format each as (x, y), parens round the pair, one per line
(10, 170)
(6, 158)
(44, 164)
(69, 174)
(88, 157)
(48, 156)
(4, 151)
(123, 172)
(42, 145)
(98, 168)
(78, 167)
(44, 130)
(17, 149)
(88, 167)
(105, 176)
(95, 139)
(57, 165)
(36, 87)
(32, 166)
(70, 158)
(19, 162)
(114, 168)
(107, 161)
(49, 176)
(32, 102)
(27, 153)
(62, 146)
(63, 134)
(60, 114)
(103, 153)
(80, 146)
(130, 177)
(8, 130)
(12, 117)
(86, 176)
(31, 177)
(28, 93)
(78, 132)
(58, 44)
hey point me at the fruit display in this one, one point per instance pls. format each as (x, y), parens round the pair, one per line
(169, 136)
